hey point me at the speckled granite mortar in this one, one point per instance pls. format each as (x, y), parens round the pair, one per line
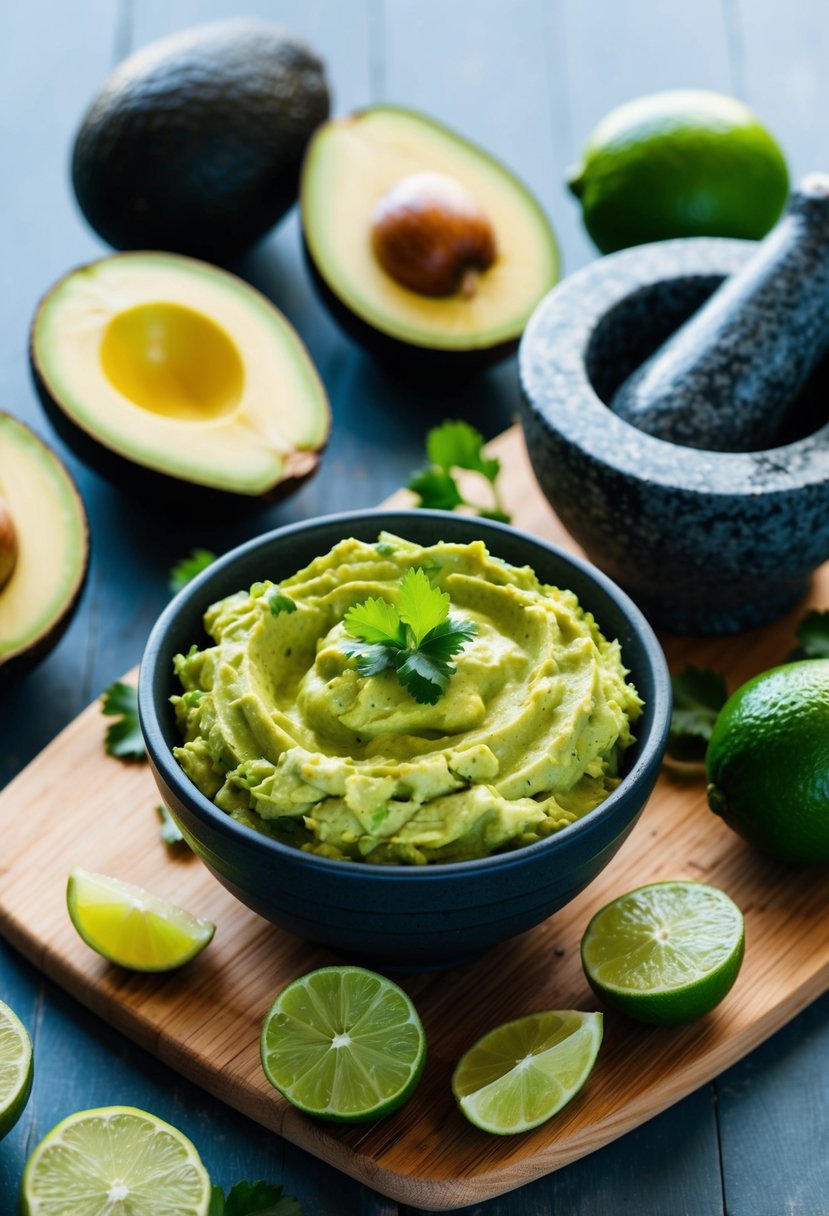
(705, 542)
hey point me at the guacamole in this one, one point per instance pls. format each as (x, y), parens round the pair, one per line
(283, 734)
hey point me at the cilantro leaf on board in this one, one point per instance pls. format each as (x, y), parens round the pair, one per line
(188, 567)
(699, 695)
(813, 635)
(456, 445)
(253, 1199)
(278, 602)
(417, 640)
(170, 832)
(123, 738)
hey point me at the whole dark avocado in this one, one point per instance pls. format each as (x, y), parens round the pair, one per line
(194, 143)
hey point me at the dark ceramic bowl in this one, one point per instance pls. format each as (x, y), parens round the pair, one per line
(425, 916)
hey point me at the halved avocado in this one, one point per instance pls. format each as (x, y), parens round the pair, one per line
(174, 378)
(44, 548)
(351, 165)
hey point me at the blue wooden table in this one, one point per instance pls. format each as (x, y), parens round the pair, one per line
(527, 79)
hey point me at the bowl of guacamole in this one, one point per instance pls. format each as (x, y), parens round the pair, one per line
(405, 735)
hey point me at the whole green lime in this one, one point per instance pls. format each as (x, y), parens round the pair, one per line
(682, 163)
(768, 761)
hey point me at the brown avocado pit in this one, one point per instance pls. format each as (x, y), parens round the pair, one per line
(8, 545)
(44, 548)
(426, 249)
(432, 235)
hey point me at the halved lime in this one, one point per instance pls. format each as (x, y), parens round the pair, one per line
(16, 1068)
(131, 926)
(665, 953)
(344, 1044)
(114, 1161)
(521, 1073)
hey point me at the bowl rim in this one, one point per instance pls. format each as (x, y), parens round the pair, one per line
(162, 761)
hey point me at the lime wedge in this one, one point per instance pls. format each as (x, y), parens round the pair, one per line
(132, 927)
(666, 953)
(115, 1161)
(344, 1044)
(16, 1068)
(520, 1074)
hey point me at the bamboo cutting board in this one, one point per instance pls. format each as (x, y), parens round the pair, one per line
(75, 805)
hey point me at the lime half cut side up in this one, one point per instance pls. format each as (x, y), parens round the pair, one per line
(665, 953)
(344, 1044)
(132, 927)
(522, 1073)
(113, 1161)
(16, 1068)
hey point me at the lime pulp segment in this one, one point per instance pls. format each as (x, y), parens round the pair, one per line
(132, 927)
(664, 953)
(521, 1073)
(16, 1068)
(115, 1161)
(344, 1044)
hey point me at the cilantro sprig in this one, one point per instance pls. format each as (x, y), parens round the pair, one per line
(699, 695)
(169, 831)
(253, 1199)
(123, 738)
(813, 635)
(185, 570)
(416, 638)
(456, 445)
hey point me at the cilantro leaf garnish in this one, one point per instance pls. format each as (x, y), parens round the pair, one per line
(376, 621)
(813, 635)
(123, 738)
(699, 695)
(415, 637)
(170, 832)
(188, 567)
(253, 1199)
(278, 602)
(456, 445)
(422, 607)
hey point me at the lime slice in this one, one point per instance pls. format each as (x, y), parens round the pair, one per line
(132, 927)
(520, 1074)
(16, 1068)
(344, 1044)
(665, 953)
(115, 1161)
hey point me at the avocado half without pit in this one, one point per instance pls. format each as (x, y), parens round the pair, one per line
(177, 379)
(426, 249)
(44, 548)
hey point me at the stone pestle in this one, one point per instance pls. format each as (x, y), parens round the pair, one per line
(726, 379)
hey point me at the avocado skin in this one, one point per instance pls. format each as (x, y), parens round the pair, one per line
(421, 364)
(194, 144)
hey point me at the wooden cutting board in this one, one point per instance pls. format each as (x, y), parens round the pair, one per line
(75, 805)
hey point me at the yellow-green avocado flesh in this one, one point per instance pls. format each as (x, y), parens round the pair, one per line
(282, 733)
(352, 162)
(180, 369)
(43, 589)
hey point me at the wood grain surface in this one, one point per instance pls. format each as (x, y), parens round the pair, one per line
(75, 805)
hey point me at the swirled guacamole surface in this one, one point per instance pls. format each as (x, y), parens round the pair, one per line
(282, 733)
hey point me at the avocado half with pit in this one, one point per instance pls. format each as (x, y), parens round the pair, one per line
(177, 379)
(427, 249)
(44, 548)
